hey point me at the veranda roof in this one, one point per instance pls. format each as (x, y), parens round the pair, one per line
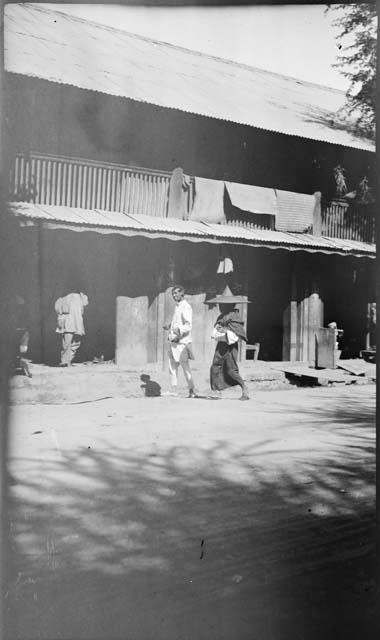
(100, 221)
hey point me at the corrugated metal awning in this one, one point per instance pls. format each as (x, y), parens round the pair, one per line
(74, 219)
(57, 47)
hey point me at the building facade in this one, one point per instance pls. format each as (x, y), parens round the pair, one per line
(130, 197)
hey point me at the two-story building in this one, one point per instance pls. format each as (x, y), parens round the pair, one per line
(146, 164)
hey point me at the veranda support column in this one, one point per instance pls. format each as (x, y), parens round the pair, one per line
(131, 331)
(310, 318)
(290, 324)
(132, 321)
(315, 319)
(302, 317)
(165, 307)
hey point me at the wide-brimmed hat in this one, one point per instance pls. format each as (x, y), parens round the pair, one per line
(227, 297)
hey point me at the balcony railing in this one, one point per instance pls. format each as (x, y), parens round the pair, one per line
(46, 179)
(86, 184)
(251, 221)
(349, 221)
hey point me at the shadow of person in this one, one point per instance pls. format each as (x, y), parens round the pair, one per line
(152, 389)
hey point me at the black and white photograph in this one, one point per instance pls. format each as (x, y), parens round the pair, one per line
(188, 341)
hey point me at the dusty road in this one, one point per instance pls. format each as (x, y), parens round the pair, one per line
(174, 519)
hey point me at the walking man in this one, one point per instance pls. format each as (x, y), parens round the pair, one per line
(180, 352)
(69, 310)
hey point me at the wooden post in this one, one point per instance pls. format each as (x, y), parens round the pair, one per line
(315, 320)
(310, 319)
(167, 308)
(131, 330)
(177, 201)
(371, 324)
(304, 325)
(289, 319)
(161, 333)
(132, 314)
(317, 215)
(302, 317)
(242, 345)
(244, 309)
(368, 333)
(41, 292)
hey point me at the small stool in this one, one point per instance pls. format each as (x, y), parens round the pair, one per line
(254, 348)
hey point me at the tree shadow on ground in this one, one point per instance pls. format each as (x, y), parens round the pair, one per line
(335, 409)
(194, 542)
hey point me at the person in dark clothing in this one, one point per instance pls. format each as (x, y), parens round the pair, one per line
(21, 337)
(228, 330)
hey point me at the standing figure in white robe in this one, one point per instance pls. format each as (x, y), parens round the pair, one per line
(180, 352)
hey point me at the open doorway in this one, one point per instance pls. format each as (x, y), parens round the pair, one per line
(347, 297)
(268, 291)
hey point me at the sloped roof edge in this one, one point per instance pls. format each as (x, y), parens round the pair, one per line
(256, 97)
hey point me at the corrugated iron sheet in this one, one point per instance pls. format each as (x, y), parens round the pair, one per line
(295, 211)
(152, 226)
(54, 46)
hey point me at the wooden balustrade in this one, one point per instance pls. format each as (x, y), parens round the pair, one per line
(346, 221)
(252, 221)
(89, 185)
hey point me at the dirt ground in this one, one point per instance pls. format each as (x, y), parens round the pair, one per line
(192, 519)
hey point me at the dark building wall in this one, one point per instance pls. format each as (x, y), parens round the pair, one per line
(128, 281)
(60, 119)
(269, 282)
(293, 293)
(348, 286)
(54, 262)
(324, 289)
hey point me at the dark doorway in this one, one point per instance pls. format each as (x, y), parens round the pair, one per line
(268, 290)
(347, 284)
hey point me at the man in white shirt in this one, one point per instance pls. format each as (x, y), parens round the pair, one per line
(179, 336)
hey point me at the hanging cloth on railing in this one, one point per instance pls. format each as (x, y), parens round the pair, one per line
(208, 201)
(179, 184)
(253, 199)
(295, 211)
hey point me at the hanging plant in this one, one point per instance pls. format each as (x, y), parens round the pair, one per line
(364, 193)
(340, 181)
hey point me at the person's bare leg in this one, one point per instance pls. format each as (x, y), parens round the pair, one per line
(189, 378)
